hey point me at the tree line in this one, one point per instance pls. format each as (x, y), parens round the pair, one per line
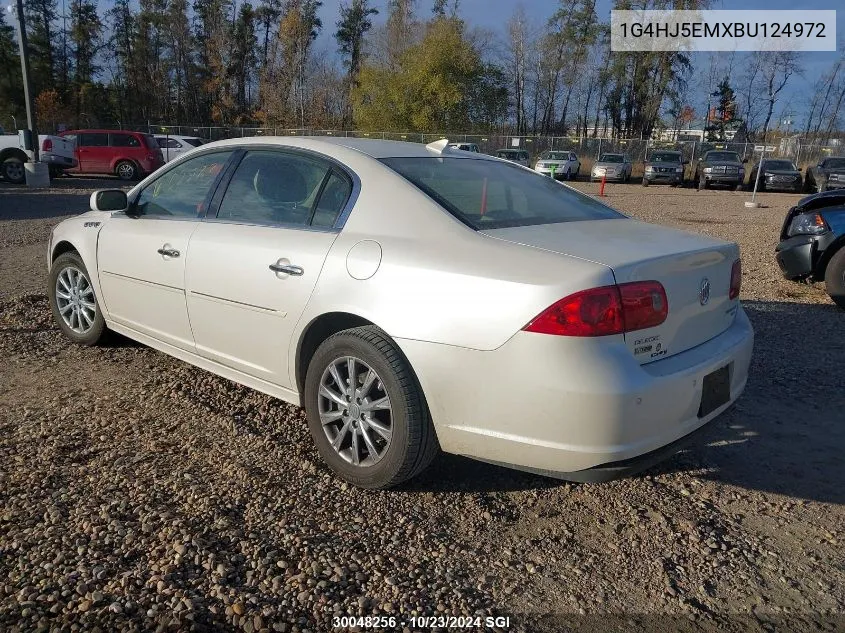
(395, 65)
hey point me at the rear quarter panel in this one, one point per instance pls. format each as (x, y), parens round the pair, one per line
(438, 280)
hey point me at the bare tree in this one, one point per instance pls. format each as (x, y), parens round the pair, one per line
(776, 68)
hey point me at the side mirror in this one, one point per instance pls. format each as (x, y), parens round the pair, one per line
(109, 200)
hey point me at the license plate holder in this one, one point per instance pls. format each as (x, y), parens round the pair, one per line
(715, 390)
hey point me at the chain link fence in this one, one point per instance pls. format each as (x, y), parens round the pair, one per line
(588, 148)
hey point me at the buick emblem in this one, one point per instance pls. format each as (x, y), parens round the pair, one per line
(704, 291)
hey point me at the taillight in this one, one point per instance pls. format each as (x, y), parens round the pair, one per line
(604, 311)
(47, 145)
(736, 279)
(644, 304)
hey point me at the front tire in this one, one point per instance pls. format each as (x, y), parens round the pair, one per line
(366, 410)
(13, 170)
(73, 302)
(126, 170)
(834, 278)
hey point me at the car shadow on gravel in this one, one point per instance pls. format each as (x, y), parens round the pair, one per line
(786, 434)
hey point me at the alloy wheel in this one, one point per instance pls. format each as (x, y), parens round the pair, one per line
(75, 300)
(13, 170)
(355, 411)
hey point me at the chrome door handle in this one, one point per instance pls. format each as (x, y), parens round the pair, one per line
(168, 252)
(288, 269)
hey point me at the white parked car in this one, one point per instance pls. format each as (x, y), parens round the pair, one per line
(174, 146)
(564, 165)
(413, 297)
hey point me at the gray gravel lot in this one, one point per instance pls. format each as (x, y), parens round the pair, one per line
(139, 493)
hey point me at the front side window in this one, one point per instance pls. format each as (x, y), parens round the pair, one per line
(125, 140)
(181, 192)
(489, 195)
(274, 188)
(93, 139)
(170, 143)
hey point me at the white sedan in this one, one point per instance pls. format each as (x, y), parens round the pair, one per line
(173, 146)
(415, 298)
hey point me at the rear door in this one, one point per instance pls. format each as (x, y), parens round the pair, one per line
(141, 258)
(252, 268)
(94, 153)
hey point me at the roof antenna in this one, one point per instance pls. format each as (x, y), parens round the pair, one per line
(440, 146)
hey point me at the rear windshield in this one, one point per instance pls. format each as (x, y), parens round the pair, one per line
(731, 157)
(150, 140)
(610, 158)
(508, 153)
(665, 157)
(490, 195)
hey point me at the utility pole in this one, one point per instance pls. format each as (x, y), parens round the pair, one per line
(27, 79)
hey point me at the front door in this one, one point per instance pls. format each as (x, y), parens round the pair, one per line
(141, 257)
(252, 269)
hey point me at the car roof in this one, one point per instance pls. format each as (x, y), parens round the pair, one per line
(374, 148)
(98, 131)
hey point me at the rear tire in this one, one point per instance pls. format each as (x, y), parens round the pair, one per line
(412, 443)
(126, 170)
(834, 278)
(73, 302)
(13, 170)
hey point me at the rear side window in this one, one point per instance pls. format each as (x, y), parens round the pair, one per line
(274, 188)
(125, 140)
(332, 200)
(487, 194)
(168, 142)
(196, 142)
(181, 192)
(93, 139)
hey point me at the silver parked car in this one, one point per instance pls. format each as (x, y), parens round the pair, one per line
(174, 146)
(612, 167)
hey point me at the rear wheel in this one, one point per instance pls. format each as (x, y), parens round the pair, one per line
(126, 170)
(366, 410)
(13, 170)
(834, 278)
(73, 302)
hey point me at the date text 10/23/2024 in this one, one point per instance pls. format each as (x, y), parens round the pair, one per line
(421, 622)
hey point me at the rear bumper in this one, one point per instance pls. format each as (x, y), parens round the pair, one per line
(577, 409)
(55, 160)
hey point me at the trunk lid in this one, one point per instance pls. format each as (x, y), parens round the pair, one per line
(683, 262)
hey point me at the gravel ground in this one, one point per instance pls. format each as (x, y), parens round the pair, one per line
(139, 493)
